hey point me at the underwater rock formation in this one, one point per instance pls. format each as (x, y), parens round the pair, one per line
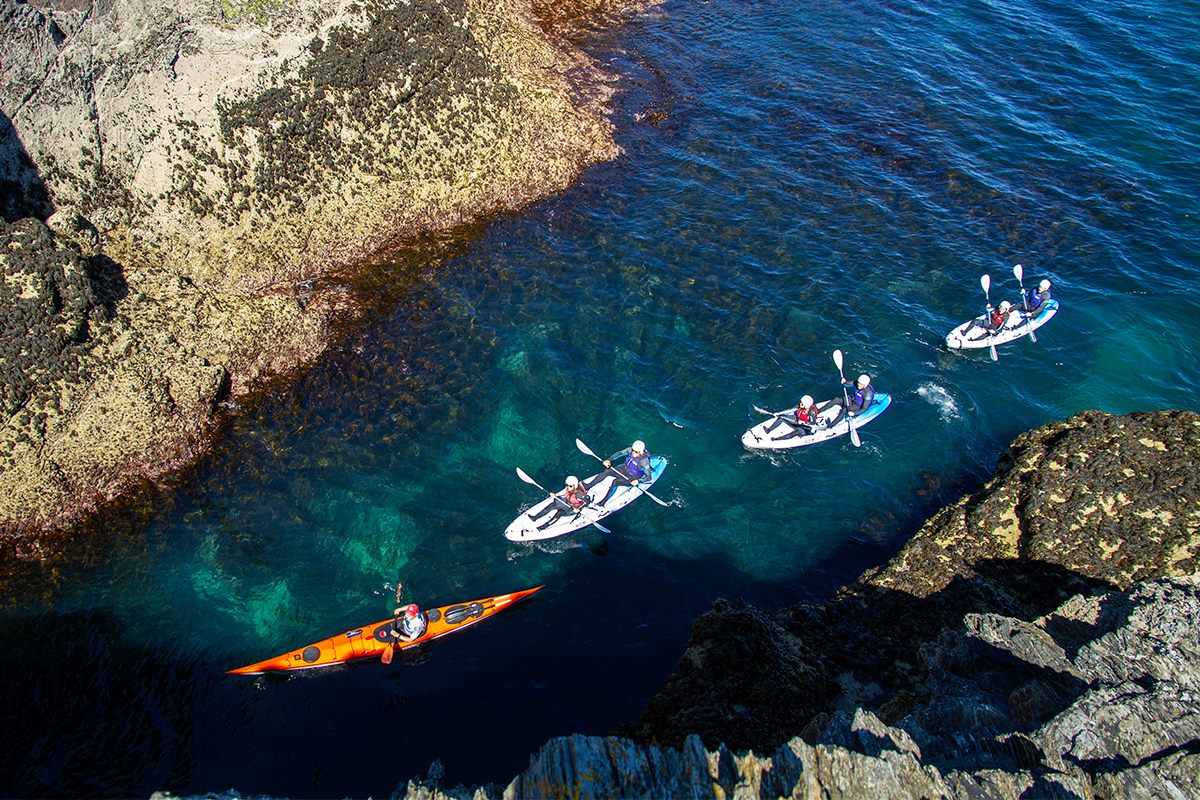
(216, 171)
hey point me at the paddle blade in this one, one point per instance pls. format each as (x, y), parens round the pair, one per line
(986, 282)
(992, 349)
(583, 448)
(857, 442)
(1018, 272)
(388, 652)
(521, 474)
(837, 359)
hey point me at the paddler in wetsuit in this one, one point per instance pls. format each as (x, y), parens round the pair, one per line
(1037, 299)
(633, 467)
(860, 401)
(572, 500)
(803, 421)
(996, 318)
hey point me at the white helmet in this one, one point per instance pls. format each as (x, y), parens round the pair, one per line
(1044, 285)
(639, 446)
(1005, 306)
(806, 401)
(864, 379)
(572, 481)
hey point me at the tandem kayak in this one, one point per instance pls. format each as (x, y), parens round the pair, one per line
(372, 640)
(971, 335)
(606, 494)
(778, 434)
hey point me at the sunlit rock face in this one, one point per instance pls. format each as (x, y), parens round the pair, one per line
(216, 167)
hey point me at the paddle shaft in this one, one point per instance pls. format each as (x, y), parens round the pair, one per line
(587, 451)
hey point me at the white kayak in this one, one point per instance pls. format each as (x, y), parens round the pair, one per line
(972, 335)
(777, 434)
(606, 494)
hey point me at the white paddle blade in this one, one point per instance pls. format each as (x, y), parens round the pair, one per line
(583, 448)
(837, 359)
(854, 437)
(1018, 272)
(521, 474)
(995, 357)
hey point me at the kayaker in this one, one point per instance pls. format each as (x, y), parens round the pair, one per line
(1038, 298)
(411, 625)
(636, 464)
(572, 500)
(864, 395)
(803, 420)
(994, 320)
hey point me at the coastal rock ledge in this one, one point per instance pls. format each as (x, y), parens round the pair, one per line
(1038, 638)
(190, 190)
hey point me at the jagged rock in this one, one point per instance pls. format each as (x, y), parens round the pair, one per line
(1011, 552)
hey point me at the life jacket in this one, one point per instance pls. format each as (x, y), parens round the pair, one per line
(1035, 300)
(863, 397)
(997, 317)
(415, 626)
(633, 466)
(808, 415)
(577, 498)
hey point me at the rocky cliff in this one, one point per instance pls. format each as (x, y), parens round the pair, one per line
(1038, 638)
(210, 173)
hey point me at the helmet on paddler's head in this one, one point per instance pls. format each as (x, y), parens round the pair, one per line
(411, 610)
(1044, 286)
(863, 380)
(638, 447)
(806, 401)
(572, 481)
(1005, 306)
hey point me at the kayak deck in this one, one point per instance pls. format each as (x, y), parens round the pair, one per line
(372, 640)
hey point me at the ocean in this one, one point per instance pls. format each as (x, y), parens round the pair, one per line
(797, 177)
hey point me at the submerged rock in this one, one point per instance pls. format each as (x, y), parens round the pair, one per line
(212, 172)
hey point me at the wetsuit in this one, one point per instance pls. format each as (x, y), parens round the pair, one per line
(859, 401)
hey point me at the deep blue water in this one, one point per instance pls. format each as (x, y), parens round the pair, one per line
(797, 177)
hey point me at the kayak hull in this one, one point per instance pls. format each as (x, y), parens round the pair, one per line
(606, 495)
(964, 337)
(776, 434)
(371, 640)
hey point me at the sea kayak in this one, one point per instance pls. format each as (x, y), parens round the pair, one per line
(778, 434)
(606, 494)
(371, 640)
(971, 335)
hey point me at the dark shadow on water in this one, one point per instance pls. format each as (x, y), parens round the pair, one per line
(22, 191)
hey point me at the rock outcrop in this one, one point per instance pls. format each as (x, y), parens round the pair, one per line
(209, 173)
(1091, 504)
(1100, 698)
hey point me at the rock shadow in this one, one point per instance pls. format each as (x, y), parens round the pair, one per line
(23, 193)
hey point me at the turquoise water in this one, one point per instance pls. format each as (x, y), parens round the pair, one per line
(797, 177)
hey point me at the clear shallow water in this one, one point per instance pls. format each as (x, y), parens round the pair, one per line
(797, 178)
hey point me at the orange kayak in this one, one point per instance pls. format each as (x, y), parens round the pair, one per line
(372, 640)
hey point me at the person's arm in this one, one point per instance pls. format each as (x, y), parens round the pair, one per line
(608, 461)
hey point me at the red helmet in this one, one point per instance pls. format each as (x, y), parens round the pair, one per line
(411, 608)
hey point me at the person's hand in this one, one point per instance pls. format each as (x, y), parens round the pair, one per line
(398, 611)
(635, 481)
(607, 463)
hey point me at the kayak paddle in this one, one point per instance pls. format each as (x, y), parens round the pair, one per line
(986, 283)
(390, 649)
(583, 448)
(837, 359)
(1018, 271)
